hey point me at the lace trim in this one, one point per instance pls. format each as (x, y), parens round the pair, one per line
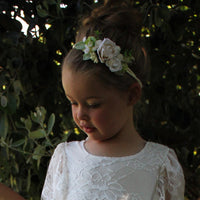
(56, 178)
(156, 155)
(82, 145)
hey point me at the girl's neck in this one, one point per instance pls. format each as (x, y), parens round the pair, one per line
(118, 146)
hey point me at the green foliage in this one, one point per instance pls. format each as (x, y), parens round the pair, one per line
(172, 97)
(34, 114)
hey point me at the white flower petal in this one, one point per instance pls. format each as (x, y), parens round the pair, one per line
(114, 65)
(97, 43)
(107, 50)
(86, 50)
(120, 57)
(84, 39)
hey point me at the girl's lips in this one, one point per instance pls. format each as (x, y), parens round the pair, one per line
(88, 129)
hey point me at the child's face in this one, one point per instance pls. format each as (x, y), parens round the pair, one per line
(100, 112)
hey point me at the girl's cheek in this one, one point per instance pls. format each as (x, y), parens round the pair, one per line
(99, 116)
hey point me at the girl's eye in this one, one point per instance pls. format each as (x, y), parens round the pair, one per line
(73, 103)
(95, 105)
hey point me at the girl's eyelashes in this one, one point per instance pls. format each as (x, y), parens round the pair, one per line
(89, 105)
(94, 105)
(72, 103)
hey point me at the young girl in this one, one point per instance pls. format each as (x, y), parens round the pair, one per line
(102, 77)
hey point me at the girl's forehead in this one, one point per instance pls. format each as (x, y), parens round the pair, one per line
(81, 82)
(84, 84)
(72, 78)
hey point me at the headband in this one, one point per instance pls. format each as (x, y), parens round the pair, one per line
(108, 53)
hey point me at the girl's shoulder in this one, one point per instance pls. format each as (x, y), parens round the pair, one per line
(156, 149)
(169, 165)
(158, 156)
(69, 145)
(160, 152)
(68, 148)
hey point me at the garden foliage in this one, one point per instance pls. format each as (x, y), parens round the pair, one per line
(35, 115)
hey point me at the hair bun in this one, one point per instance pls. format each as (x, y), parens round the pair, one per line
(120, 3)
(114, 17)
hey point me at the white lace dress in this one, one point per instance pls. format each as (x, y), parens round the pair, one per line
(152, 174)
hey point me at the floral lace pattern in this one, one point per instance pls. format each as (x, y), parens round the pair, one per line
(152, 174)
(56, 179)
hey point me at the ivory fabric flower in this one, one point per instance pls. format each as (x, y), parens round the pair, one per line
(114, 64)
(107, 50)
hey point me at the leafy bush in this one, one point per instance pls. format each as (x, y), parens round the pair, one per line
(34, 114)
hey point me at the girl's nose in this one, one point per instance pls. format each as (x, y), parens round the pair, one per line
(82, 114)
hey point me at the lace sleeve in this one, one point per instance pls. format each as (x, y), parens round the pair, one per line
(56, 179)
(171, 181)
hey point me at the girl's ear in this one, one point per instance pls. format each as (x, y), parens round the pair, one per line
(134, 93)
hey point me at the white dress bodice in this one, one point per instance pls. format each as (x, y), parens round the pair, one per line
(152, 174)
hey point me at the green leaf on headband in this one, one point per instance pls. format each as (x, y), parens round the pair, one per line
(86, 56)
(90, 40)
(97, 33)
(80, 45)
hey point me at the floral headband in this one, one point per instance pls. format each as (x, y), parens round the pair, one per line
(107, 52)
